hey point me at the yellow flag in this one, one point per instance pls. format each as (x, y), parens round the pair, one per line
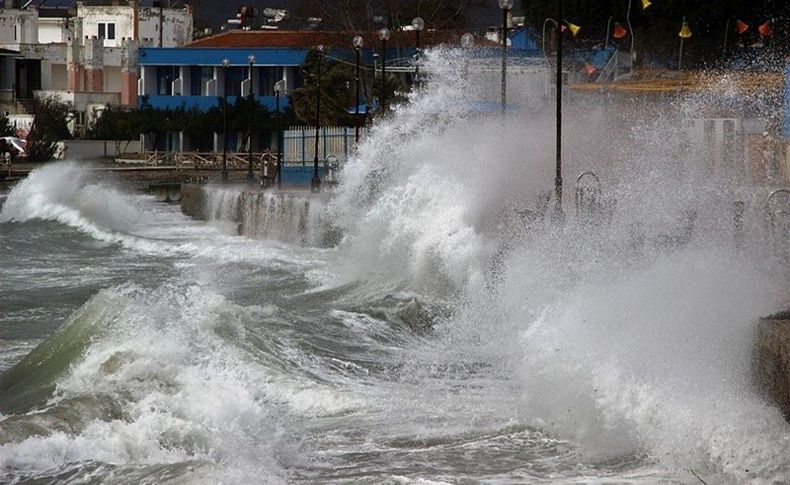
(685, 31)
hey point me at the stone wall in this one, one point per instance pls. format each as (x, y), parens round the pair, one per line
(193, 201)
(771, 365)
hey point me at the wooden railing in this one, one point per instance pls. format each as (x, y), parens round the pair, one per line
(209, 160)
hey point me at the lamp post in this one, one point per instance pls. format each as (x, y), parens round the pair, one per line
(384, 35)
(543, 36)
(357, 47)
(251, 60)
(225, 63)
(418, 24)
(467, 42)
(505, 5)
(558, 214)
(685, 33)
(278, 87)
(740, 26)
(608, 31)
(315, 183)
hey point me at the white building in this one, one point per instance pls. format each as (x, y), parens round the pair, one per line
(83, 54)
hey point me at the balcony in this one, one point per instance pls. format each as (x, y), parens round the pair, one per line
(204, 103)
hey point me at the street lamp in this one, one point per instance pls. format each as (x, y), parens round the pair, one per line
(558, 214)
(418, 24)
(645, 4)
(315, 183)
(384, 35)
(467, 42)
(278, 87)
(740, 26)
(251, 60)
(225, 64)
(357, 47)
(685, 33)
(505, 5)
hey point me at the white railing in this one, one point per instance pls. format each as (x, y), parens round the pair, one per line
(299, 142)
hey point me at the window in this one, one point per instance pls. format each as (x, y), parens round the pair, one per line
(107, 30)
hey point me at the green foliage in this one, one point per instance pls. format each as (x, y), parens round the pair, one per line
(337, 93)
(50, 125)
(128, 124)
(6, 129)
(114, 123)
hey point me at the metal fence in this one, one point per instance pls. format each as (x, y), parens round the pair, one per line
(299, 143)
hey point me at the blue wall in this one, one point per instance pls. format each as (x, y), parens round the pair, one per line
(301, 174)
(204, 103)
(189, 56)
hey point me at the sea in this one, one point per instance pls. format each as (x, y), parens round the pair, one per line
(432, 319)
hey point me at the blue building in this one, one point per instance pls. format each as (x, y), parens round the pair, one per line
(194, 76)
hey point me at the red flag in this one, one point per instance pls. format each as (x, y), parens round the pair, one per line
(741, 26)
(589, 69)
(619, 31)
(765, 29)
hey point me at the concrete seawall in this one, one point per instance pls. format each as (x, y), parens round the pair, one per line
(771, 365)
(193, 201)
(292, 215)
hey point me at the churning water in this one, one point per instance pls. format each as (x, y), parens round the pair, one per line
(454, 334)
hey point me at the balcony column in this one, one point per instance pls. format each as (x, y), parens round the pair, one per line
(129, 70)
(94, 65)
(73, 65)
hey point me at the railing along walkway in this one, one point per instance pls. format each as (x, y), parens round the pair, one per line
(209, 160)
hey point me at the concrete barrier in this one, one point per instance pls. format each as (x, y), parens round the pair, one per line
(771, 365)
(193, 201)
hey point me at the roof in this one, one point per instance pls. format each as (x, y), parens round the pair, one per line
(66, 4)
(312, 38)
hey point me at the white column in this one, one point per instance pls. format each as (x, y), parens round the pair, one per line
(186, 80)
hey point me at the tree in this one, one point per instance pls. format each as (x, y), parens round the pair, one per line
(50, 125)
(6, 129)
(336, 92)
(115, 123)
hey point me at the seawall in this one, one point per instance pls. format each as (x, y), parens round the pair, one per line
(293, 215)
(771, 365)
(193, 201)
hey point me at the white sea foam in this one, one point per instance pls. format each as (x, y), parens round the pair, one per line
(628, 335)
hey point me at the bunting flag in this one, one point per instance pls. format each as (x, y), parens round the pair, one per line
(589, 69)
(645, 4)
(574, 28)
(685, 31)
(766, 29)
(619, 31)
(741, 26)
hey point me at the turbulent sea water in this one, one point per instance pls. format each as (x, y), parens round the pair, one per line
(451, 336)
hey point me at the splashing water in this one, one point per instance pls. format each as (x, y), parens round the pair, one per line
(455, 332)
